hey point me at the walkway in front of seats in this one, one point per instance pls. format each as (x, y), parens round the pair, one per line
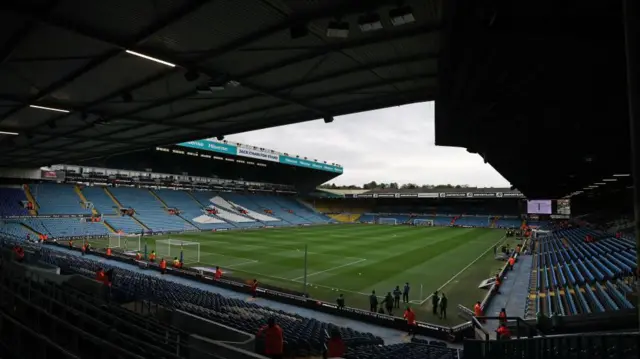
(513, 292)
(390, 336)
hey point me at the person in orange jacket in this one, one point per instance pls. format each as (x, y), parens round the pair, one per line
(163, 266)
(477, 311)
(254, 287)
(502, 316)
(108, 252)
(273, 338)
(19, 253)
(71, 244)
(152, 256)
(100, 275)
(503, 332)
(218, 274)
(138, 256)
(512, 261)
(335, 345)
(496, 285)
(410, 316)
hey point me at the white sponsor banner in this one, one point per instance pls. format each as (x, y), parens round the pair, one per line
(427, 195)
(258, 154)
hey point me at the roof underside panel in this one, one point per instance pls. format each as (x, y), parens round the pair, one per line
(237, 68)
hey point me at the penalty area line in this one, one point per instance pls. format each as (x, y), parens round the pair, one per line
(421, 302)
(330, 269)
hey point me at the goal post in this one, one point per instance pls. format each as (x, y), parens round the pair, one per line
(186, 251)
(391, 221)
(423, 222)
(124, 242)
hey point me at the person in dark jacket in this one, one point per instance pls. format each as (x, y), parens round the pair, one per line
(443, 306)
(405, 293)
(373, 302)
(396, 297)
(340, 301)
(434, 302)
(388, 303)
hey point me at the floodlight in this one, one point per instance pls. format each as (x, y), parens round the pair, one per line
(370, 22)
(49, 108)
(401, 16)
(338, 29)
(150, 58)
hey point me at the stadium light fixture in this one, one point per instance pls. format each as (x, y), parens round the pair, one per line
(8, 133)
(49, 108)
(370, 22)
(150, 58)
(609, 180)
(401, 16)
(338, 29)
(621, 175)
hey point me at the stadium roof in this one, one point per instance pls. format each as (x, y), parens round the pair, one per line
(539, 90)
(229, 66)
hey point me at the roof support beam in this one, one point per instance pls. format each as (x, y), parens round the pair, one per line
(23, 9)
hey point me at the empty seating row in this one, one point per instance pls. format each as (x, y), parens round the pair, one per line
(303, 336)
(57, 199)
(149, 210)
(191, 209)
(11, 202)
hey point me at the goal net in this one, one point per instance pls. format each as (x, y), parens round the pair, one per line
(189, 252)
(423, 222)
(387, 221)
(124, 242)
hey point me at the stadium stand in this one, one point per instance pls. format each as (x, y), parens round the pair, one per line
(573, 277)
(304, 336)
(238, 220)
(11, 202)
(191, 210)
(57, 228)
(149, 210)
(100, 200)
(57, 199)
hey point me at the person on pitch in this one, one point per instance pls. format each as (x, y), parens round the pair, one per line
(396, 297)
(373, 302)
(405, 293)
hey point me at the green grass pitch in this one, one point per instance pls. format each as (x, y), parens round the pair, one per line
(356, 259)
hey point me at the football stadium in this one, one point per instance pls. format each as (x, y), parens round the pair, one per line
(132, 227)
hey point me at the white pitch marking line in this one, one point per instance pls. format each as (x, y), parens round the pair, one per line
(332, 268)
(241, 264)
(457, 274)
(311, 285)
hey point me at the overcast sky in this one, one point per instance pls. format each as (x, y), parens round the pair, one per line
(391, 145)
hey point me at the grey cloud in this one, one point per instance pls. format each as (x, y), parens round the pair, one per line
(390, 145)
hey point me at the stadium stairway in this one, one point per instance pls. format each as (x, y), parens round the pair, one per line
(390, 336)
(514, 292)
(29, 195)
(83, 199)
(113, 198)
(153, 193)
